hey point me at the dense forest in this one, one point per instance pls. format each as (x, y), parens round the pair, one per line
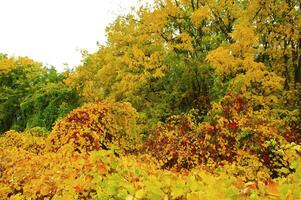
(188, 99)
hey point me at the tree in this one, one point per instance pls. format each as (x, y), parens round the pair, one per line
(32, 95)
(17, 77)
(180, 55)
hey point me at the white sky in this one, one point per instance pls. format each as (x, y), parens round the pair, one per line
(54, 31)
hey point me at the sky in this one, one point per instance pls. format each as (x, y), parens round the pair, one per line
(55, 31)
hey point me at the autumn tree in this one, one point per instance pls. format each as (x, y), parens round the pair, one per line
(177, 55)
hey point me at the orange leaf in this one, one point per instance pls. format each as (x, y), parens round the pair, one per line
(239, 183)
(272, 189)
(101, 169)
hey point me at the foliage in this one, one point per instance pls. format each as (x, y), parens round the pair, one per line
(47, 104)
(31, 95)
(253, 143)
(103, 175)
(161, 58)
(17, 77)
(26, 142)
(94, 126)
(185, 96)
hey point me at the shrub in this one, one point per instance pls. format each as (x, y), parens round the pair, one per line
(103, 125)
(235, 135)
(27, 141)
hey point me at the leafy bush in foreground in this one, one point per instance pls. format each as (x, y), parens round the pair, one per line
(102, 175)
(95, 126)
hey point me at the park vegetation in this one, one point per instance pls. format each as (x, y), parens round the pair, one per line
(188, 99)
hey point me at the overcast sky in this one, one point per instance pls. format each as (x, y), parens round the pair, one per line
(54, 31)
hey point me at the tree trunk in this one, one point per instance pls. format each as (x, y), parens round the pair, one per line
(297, 64)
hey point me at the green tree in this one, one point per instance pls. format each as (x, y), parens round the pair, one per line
(32, 95)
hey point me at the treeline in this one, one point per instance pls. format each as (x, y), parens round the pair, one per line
(183, 55)
(169, 59)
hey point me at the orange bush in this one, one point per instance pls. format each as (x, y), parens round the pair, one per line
(103, 125)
